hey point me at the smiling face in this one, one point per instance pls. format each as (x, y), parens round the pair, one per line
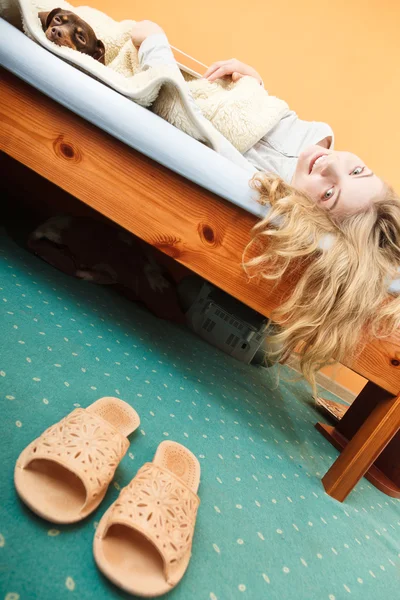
(339, 182)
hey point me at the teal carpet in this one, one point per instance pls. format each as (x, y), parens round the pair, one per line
(265, 530)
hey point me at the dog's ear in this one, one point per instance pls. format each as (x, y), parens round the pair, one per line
(47, 17)
(100, 52)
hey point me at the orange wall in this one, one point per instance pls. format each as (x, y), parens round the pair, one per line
(345, 377)
(331, 61)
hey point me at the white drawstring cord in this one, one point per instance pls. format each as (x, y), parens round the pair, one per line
(191, 58)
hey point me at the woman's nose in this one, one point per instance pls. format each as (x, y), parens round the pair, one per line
(328, 168)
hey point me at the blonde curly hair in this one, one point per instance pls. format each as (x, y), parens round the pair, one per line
(341, 299)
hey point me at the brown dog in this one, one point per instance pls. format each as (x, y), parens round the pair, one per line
(65, 28)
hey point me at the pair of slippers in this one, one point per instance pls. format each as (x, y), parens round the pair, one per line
(143, 541)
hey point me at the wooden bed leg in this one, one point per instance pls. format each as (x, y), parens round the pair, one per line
(385, 472)
(363, 449)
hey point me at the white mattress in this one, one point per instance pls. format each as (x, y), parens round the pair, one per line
(120, 117)
(135, 126)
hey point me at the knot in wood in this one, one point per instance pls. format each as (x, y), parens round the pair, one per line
(207, 235)
(66, 150)
(169, 245)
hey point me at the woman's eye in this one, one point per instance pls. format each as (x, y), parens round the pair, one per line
(328, 194)
(357, 171)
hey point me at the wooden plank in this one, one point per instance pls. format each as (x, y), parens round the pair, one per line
(197, 228)
(385, 473)
(363, 449)
(374, 475)
(182, 219)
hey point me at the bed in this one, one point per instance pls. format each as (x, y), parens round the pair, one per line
(182, 198)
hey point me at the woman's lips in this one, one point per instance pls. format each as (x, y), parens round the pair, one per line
(314, 160)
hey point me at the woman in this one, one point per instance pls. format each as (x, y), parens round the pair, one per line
(335, 216)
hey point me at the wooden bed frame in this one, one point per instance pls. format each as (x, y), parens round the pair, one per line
(204, 233)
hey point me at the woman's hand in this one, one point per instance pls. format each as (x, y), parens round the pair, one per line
(232, 67)
(142, 30)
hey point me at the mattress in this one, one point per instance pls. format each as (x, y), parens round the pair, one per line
(130, 123)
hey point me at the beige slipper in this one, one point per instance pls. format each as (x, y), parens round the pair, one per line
(64, 474)
(143, 542)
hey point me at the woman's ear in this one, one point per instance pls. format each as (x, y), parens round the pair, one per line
(47, 17)
(100, 52)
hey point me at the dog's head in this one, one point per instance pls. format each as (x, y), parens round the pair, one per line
(65, 28)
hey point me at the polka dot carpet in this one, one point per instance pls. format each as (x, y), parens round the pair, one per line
(265, 530)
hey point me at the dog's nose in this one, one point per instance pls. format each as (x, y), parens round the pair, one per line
(56, 31)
